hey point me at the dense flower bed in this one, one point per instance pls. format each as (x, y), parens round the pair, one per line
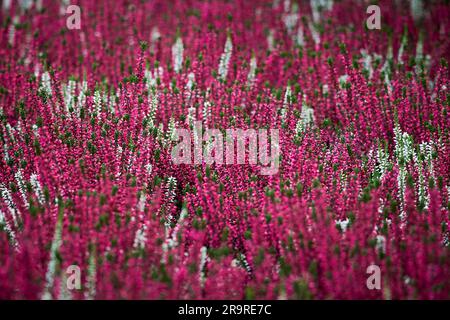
(87, 179)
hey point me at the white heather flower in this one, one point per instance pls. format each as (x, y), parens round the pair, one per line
(270, 40)
(243, 261)
(419, 54)
(318, 6)
(155, 35)
(140, 238)
(149, 168)
(153, 76)
(252, 71)
(173, 242)
(407, 280)
(177, 55)
(383, 161)
(37, 188)
(225, 59)
(12, 30)
(203, 259)
(19, 178)
(170, 131)
(10, 130)
(367, 62)
(404, 42)
(64, 292)
(343, 80)
(381, 206)
(112, 101)
(315, 10)
(38, 5)
(11, 235)
(343, 180)
(306, 119)
(286, 5)
(35, 129)
(314, 33)
(307, 115)
(131, 160)
(299, 127)
(446, 239)
(191, 117)
(62, 8)
(104, 98)
(46, 83)
(206, 111)
(401, 183)
(426, 148)
(5, 150)
(141, 203)
(19, 129)
(287, 97)
(190, 84)
(381, 244)
(25, 4)
(158, 73)
(6, 195)
(300, 38)
(69, 94)
(386, 68)
(97, 102)
(417, 10)
(171, 186)
(6, 5)
(191, 81)
(51, 268)
(290, 21)
(91, 277)
(81, 99)
(165, 249)
(343, 224)
(404, 151)
(153, 107)
(170, 194)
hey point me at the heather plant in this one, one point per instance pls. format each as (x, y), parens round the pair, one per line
(89, 119)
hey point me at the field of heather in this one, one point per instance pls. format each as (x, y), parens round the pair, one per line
(119, 178)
